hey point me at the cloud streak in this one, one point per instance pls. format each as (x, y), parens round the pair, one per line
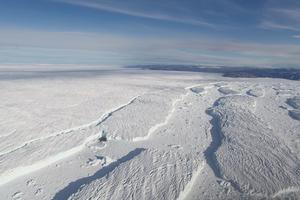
(282, 16)
(135, 11)
(77, 47)
(270, 25)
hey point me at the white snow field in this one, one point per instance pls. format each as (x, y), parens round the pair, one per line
(139, 134)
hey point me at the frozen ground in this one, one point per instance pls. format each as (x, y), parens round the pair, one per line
(169, 135)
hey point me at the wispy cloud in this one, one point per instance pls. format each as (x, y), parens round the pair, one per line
(281, 16)
(136, 11)
(296, 36)
(274, 25)
(80, 47)
(292, 13)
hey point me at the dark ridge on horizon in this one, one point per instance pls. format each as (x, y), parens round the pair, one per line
(233, 72)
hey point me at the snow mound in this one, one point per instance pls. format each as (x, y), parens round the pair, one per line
(249, 155)
(221, 84)
(136, 119)
(236, 102)
(256, 92)
(227, 90)
(198, 90)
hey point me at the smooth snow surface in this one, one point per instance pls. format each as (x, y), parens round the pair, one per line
(149, 135)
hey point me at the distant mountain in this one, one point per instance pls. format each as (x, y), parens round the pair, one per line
(244, 72)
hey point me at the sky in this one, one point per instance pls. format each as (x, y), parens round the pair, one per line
(263, 33)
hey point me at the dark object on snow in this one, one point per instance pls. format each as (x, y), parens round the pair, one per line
(103, 137)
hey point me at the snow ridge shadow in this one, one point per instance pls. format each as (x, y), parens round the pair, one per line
(73, 187)
(216, 141)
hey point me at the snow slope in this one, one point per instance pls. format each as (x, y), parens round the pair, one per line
(169, 136)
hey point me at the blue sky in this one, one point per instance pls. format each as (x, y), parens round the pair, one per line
(128, 32)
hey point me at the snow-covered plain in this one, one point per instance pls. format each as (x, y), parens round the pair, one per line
(170, 135)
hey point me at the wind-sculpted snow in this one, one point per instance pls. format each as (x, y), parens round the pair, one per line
(295, 114)
(249, 156)
(136, 119)
(39, 153)
(160, 173)
(152, 174)
(227, 90)
(198, 90)
(154, 136)
(74, 186)
(120, 123)
(294, 102)
(164, 122)
(256, 92)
